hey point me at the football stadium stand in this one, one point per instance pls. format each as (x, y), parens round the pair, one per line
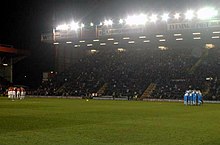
(139, 57)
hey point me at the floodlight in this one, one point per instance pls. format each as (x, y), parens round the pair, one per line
(82, 25)
(136, 19)
(153, 18)
(142, 37)
(215, 37)
(146, 41)
(206, 13)
(108, 22)
(177, 16)
(216, 32)
(197, 38)
(91, 24)
(96, 40)
(189, 15)
(165, 17)
(62, 27)
(110, 39)
(162, 40)
(196, 33)
(102, 44)
(121, 21)
(76, 45)
(89, 45)
(177, 34)
(74, 26)
(131, 42)
(179, 39)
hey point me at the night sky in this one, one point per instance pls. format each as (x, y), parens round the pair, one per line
(23, 21)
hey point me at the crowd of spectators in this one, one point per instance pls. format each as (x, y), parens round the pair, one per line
(129, 73)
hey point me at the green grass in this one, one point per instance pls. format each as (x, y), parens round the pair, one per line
(78, 122)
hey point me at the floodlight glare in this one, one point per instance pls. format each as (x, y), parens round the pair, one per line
(177, 16)
(153, 18)
(82, 25)
(74, 26)
(63, 27)
(206, 13)
(136, 19)
(189, 15)
(108, 22)
(165, 17)
(121, 21)
(91, 24)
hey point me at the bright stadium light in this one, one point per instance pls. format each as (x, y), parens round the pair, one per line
(165, 17)
(76, 45)
(108, 22)
(215, 37)
(179, 39)
(131, 42)
(162, 40)
(197, 38)
(146, 41)
(177, 34)
(196, 33)
(91, 24)
(206, 13)
(102, 44)
(116, 43)
(74, 26)
(62, 27)
(177, 16)
(159, 36)
(89, 45)
(189, 15)
(82, 41)
(216, 32)
(126, 38)
(121, 21)
(96, 40)
(142, 37)
(136, 20)
(111, 39)
(153, 18)
(82, 25)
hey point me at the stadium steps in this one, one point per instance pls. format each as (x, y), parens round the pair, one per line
(147, 93)
(199, 62)
(102, 90)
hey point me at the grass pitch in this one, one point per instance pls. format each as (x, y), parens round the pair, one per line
(95, 122)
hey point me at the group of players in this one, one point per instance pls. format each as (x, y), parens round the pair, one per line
(16, 93)
(193, 97)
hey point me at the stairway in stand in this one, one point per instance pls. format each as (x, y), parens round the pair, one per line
(147, 93)
(102, 90)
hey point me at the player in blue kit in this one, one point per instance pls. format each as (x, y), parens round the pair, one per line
(194, 96)
(200, 101)
(186, 98)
